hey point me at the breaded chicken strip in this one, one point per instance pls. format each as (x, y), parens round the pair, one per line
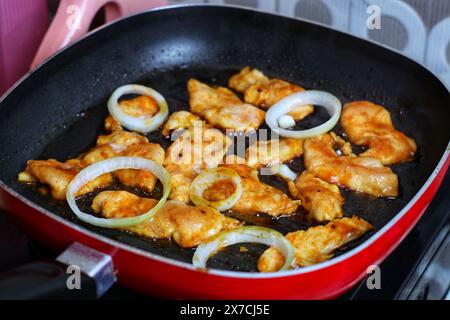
(272, 152)
(128, 144)
(221, 108)
(197, 148)
(263, 92)
(368, 124)
(367, 175)
(321, 199)
(188, 226)
(180, 120)
(246, 78)
(57, 175)
(141, 179)
(119, 141)
(257, 197)
(316, 244)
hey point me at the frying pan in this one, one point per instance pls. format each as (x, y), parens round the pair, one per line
(58, 110)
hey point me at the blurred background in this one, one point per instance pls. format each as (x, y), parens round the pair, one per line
(419, 29)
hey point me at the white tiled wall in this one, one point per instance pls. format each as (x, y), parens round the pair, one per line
(418, 28)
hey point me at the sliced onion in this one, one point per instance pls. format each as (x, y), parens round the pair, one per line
(143, 124)
(109, 165)
(313, 97)
(283, 171)
(251, 234)
(286, 121)
(205, 179)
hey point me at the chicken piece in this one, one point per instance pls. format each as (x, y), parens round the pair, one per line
(198, 148)
(316, 244)
(257, 197)
(112, 145)
(121, 204)
(180, 120)
(344, 146)
(99, 153)
(272, 152)
(368, 124)
(246, 78)
(140, 106)
(266, 94)
(263, 92)
(187, 225)
(136, 107)
(57, 175)
(321, 199)
(128, 144)
(119, 141)
(221, 108)
(142, 179)
(112, 124)
(367, 175)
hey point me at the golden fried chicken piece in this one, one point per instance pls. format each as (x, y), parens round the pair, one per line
(368, 124)
(198, 148)
(127, 144)
(266, 94)
(246, 78)
(136, 107)
(272, 152)
(99, 153)
(121, 204)
(257, 197)
(344, 146)
(263, 92)
(187, 225)
(321, 199)
(316, 244)
(221, 108)
(140, 106)
(112, 124)
(119, 141)
(112, 145)
(366, 175)
(142, 179)
(180, 120)
(57, 175)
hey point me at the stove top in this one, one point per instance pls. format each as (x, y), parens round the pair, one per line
(418, 269)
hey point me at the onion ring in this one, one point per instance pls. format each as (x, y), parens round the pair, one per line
(205, 179)
(143, 124)
(109, 165)
(313, 97)
(252, 234)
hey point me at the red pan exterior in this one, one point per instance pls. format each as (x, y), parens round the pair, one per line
(153, 277)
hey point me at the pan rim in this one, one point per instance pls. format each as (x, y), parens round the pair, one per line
(217, 272)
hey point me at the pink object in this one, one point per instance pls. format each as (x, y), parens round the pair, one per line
(22, 26)
(74, 17)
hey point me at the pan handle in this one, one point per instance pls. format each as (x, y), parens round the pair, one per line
(74, 17)
(78, 273)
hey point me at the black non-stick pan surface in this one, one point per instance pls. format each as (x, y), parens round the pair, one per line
(58, 111)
